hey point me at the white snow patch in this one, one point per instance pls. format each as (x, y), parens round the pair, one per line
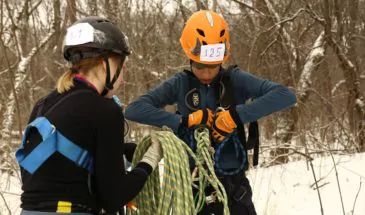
(10, 190)
(279, 190)
(288, 189)
(360, 103)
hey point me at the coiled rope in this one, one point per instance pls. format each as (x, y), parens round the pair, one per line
(174, 195)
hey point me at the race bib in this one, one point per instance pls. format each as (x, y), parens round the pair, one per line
(78, 34)
(211, 53)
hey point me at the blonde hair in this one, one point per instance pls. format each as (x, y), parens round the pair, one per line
(65, 82)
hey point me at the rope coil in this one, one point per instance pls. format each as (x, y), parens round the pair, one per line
(173, 195)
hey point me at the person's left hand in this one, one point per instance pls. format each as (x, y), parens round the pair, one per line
(223, 125)
(153, 154)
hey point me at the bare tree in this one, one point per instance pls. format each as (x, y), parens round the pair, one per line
(347, 17)
(71, 10)
(19, 73)
(314, 47)
(93, 7)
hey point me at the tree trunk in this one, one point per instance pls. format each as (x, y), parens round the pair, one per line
(71, 8)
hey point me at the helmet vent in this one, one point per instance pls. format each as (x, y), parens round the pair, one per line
(102, 20)
(222, 32)
(201, 32)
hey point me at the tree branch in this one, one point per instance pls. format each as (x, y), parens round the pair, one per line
(314, 56)
(314, 15)
(249, 7)
(20, 75)
(289, 19)
(357, 195)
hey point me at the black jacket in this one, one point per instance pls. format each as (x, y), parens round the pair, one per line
(94, 123)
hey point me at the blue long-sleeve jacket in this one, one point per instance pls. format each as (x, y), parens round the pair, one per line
(269, 97)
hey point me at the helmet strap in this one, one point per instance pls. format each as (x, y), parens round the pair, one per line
(109, 84)
(119, 69)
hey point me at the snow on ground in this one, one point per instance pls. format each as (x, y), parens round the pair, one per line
(10, 189)
(289, 189)
(280, 190)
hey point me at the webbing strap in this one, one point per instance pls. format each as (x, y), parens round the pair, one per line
(253, 141)
(227, 99)
(52, 141)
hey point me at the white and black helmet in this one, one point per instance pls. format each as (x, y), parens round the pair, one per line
(97, 33)
(101, 38)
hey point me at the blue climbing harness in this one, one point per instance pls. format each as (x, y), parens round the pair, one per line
(52, 141)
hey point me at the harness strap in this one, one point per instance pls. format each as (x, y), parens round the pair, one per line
(225, 90)
(253, 141)
(192, 96)
(52, 141)
(227, 99)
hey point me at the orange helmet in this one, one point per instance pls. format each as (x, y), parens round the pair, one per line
(205, 38)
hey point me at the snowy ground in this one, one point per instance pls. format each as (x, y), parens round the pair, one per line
(9, 195)
(281, 190)
(289, 189)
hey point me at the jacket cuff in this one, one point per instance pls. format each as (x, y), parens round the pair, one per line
(184, 121)
(144, 167)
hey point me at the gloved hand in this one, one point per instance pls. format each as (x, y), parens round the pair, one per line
(224, 124)
(153, 154)
(199, 117)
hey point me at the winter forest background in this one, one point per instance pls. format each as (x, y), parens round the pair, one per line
(316, 47)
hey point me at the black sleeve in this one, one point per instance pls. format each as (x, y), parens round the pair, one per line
(114, 186)
(129, 149)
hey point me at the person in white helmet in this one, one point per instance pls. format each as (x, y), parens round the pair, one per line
(71, 157)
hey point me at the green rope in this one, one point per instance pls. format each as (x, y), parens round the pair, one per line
(204, 162)
(174, 195)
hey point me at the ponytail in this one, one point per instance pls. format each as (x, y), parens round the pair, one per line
(65, 82)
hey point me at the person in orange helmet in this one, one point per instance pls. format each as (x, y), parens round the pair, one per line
(208, 94)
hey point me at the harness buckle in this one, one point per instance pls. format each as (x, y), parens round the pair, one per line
(53, 129)
(83, 159)
(239, 193)
(211, 198)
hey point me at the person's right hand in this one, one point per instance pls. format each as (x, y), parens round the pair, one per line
(153, 154)
(199, 117)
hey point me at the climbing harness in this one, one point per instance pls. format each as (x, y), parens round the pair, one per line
(52, 141)
(224, 90)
